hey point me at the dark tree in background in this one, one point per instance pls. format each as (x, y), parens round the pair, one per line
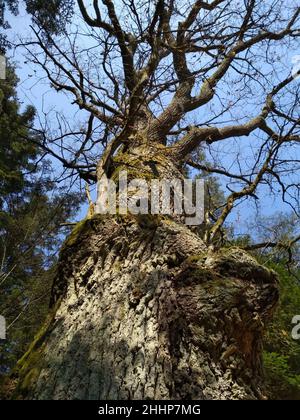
(144, 307)
(32, 208)
(5, 6)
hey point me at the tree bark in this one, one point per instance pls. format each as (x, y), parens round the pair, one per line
(142, 309)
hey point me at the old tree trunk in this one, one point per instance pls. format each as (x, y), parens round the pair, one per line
(142, 309)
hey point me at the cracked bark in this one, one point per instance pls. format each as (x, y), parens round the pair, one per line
(141, 309)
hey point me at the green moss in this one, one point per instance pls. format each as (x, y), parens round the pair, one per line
(122, 312)
(117, 266)
(148, 221)
(76, 232)
(167, 220)
(128, 163)
(203, 273)
(29, 379)
(82, 228)
(133, 172)
(195, 258)
(229, 251)
(28, 367)
(126, 159)
(138, 167)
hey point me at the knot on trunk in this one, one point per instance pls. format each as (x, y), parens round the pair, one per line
(225, 301)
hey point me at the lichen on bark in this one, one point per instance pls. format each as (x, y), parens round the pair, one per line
(144, 310)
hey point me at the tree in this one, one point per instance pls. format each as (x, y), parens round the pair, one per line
(12, 6)
(142, 306)
(281, 349)
(281, 353)
(52, 15)
(32, 208)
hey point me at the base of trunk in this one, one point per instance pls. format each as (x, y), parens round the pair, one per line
(142, 310)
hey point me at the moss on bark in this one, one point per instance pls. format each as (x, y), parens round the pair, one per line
(144, 310)
(29, 366)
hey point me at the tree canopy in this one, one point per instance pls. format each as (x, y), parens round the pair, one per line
(187, 75)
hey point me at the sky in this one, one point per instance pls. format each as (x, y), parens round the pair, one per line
(34, 89)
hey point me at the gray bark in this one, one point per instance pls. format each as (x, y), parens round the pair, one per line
(141, 309)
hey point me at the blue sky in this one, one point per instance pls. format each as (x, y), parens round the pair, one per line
(34, 89)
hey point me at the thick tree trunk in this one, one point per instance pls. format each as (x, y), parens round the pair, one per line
(142, 309)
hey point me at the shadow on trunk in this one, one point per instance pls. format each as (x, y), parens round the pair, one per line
(142, 310)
